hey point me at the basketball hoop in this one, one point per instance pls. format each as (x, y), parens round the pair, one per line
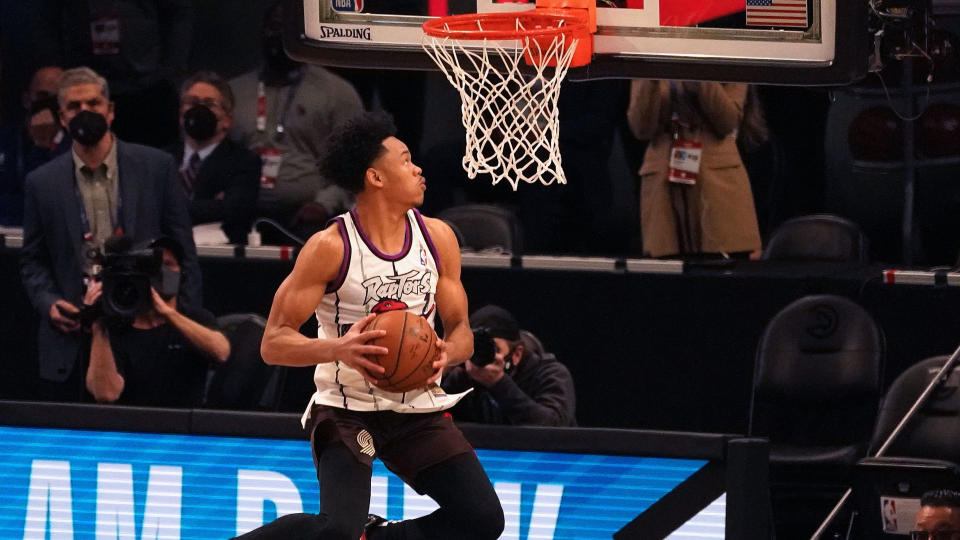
(509, 109)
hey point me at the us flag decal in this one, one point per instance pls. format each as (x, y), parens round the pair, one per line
(777, 13)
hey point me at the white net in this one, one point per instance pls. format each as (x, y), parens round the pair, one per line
(509, 109)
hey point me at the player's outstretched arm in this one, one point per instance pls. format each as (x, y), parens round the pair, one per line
(297, 298)
(451, 297)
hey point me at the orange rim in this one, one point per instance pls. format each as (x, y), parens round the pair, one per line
(497, 26)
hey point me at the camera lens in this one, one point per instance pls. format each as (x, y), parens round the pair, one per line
(126, 297)
(484, 347)
(126, 282)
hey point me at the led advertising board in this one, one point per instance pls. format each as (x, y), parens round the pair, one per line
(79, 484)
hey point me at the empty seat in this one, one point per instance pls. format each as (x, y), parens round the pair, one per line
(486, 227)
(816, 390)
(818, 237)
(817, 381)
(244, 381)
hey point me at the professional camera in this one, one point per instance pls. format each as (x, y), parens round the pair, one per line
(127, 275)
(126, 281)
(484, 347)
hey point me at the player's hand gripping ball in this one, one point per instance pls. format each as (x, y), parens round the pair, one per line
(412, 349)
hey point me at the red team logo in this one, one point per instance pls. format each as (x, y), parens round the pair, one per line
(386, 305)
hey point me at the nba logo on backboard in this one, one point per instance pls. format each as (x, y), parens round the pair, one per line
(889, 512)
(347, 5)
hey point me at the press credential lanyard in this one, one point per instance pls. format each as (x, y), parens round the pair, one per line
(685, 154)
(270, 155)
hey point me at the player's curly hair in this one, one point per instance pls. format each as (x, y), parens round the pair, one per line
(353, 148)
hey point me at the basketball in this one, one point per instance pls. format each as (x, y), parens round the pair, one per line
(412, 348)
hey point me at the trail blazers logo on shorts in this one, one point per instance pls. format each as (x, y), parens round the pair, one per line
(366, 443)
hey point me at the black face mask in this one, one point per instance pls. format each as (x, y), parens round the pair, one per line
(88, 127)
(200, 123)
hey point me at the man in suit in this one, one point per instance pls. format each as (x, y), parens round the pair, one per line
(102, 187)
(220, 177)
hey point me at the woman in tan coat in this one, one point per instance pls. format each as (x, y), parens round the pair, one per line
(714, 215)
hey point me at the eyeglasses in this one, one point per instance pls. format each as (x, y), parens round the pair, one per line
(191, 101)
(935, 535)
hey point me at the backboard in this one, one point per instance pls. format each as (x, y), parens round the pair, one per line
(799, 42)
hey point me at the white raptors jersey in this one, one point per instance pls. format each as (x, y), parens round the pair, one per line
(371, 281)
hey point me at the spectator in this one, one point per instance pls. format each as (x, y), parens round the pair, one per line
(513, 383)
(45, 135)
(220, 177)
(697, 200)
(140, 46)
(25, 147)
(939, 516)
(285, 111)
(72, 204)
(160, 358)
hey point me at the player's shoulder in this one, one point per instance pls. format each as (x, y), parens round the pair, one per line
(445, 241)
(325, 245)
(438, 228)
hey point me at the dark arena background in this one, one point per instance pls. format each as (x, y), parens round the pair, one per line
(716, 397)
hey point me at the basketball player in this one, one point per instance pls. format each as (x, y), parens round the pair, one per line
(381, 255)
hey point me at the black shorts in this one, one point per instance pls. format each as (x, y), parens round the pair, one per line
(406, 443)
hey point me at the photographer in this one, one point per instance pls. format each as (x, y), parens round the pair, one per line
(102, 187)
(513, 382)
(153, 354)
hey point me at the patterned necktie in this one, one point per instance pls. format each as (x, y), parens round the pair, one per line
(189, 174)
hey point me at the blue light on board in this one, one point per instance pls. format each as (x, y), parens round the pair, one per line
(59, 483)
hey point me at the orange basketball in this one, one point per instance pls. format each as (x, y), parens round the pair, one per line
(412, 348)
